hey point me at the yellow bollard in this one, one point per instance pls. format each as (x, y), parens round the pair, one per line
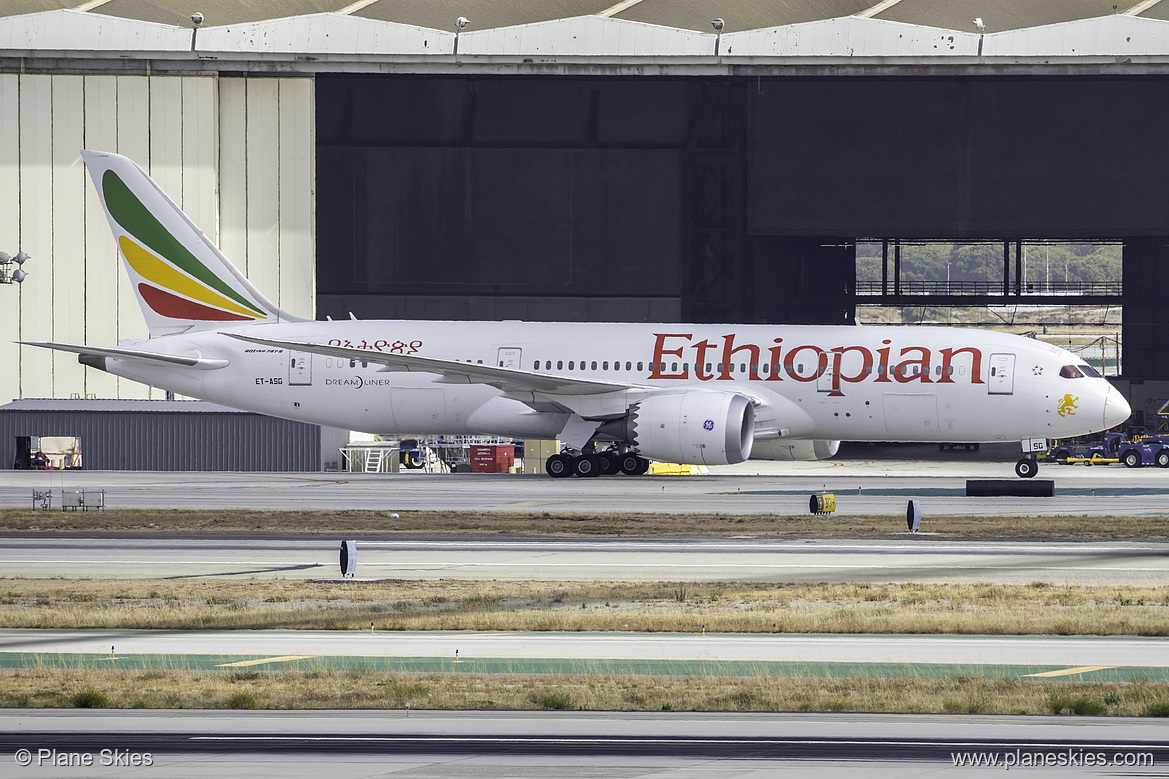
(112, 652)
(704, 630)
(456, 655)
(371, 627)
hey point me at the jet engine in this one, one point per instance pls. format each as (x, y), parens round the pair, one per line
(697, 427)
(780, 449)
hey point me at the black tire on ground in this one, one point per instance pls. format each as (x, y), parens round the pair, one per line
(643, 468)
(559, 466)
(1026, 468)
(588, 465)
(1163, 458)
(629, 464)
(1131, 459)
(1060, 455)
(610, 463)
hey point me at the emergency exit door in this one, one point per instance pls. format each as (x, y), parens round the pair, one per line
(300, 368)
(509, 357)
(1002, 375)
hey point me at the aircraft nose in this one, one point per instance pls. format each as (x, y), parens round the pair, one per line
(1116, 408)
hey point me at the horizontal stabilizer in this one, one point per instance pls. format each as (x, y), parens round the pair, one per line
(199, 363)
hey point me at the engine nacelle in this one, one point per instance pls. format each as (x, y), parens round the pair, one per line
(696, 427)
(781, 449)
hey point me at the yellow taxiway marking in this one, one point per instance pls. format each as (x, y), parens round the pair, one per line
(282, 659)
(534, 503)
(1083, 669)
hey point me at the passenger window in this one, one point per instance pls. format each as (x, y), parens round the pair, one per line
(594, 365)
(570, 365)
(765, 367)
(628, 365)
(536, 365)
(605, 365)
(560, 365)
(1069, 372)
(742, 367)
(639, 367)
(673, 367)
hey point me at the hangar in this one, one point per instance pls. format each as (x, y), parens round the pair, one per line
(577, 160)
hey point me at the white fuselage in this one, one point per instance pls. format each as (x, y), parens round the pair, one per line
(807, 382)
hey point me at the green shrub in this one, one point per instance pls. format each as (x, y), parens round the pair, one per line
(89, 698)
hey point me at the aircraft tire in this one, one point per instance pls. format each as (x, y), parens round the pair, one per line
(643, 468)
(1163, 458)
(610, 463)
(1026, 468)
(1131, 459)
(587, 466)
(559, 466)
(630, 463)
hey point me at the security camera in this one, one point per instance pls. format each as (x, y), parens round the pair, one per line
(717, 24)
(462, 22)
(197, 18)
(978, 23)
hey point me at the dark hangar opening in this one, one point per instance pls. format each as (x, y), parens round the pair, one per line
(718, 199)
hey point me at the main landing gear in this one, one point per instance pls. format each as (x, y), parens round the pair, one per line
(588, 464)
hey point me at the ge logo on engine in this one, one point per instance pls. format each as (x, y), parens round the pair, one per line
(708, 424)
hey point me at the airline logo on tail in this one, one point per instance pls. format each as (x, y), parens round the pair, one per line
(175, 283)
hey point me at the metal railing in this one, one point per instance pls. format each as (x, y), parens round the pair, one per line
(943, 287)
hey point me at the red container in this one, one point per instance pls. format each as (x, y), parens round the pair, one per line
(492, 458)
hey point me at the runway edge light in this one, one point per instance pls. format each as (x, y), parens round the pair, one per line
(348, 558)
(913, 516)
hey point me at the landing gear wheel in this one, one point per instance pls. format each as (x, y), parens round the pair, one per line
(559, 466)
(1163, 458)
(1131, 459)
(588, 465)
(643, 468)
(610, 463)
(1026, 468)
(629, 464)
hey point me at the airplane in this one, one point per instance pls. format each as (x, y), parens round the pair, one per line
(617, 395)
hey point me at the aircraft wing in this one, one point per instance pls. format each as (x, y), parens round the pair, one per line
(509, 380)
(200, 363)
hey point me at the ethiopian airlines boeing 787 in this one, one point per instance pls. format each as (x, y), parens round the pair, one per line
(617, 395)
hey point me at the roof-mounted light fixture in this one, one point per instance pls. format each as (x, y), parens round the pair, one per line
(718, 25)
(196, 20)
(978, 25)
(460, 25)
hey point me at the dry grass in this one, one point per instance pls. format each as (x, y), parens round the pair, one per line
(173, 689)
(996, 609)
(344, 523)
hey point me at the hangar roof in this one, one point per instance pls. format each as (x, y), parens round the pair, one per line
(317, 34)
(739, 15)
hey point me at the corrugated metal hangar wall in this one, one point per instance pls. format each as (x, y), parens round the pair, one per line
(170, 436)
(235, 153)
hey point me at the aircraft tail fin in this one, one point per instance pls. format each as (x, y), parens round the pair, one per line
(182, 281)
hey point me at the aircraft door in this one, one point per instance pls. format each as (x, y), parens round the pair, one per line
(509, 357)
(1002, 375)
(300, 368)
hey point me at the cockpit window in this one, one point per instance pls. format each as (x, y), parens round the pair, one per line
(1070, 372)
(1089, 371)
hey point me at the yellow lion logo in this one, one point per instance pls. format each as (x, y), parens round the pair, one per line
(1067, 406)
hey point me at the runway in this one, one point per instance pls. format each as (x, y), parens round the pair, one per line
(912, 558)
(861, 487)
(576, 745)
(1080, 658)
